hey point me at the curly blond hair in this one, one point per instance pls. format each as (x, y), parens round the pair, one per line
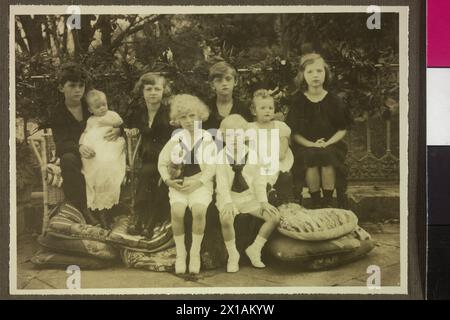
(261, 94)
(183, 103)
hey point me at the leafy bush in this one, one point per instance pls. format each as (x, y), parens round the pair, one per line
(266, 47)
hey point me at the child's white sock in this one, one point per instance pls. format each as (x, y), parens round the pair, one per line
(233, 256)
(259, 242)
(194, 256)
(180, 262)
(196, 244)
(254, 252)
(231, 248)
(179, 245)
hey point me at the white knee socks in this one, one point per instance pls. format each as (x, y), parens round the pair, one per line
(233, 256)
(194, 256)
(254, 252)
(180, 262)
(196, 244)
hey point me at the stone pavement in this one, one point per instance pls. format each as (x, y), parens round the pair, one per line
(386, 255)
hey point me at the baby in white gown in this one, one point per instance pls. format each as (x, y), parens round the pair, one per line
(105, 170)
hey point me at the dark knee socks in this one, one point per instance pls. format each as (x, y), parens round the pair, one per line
(327, 197)
(315, 198)
(74, 185)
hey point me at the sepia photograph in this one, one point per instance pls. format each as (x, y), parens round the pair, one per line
(208, 150)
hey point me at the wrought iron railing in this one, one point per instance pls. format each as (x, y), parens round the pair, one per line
(375, 155)
(364, 163)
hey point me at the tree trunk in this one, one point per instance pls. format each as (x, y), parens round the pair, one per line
(20, 41)
(53, 32)
(86, 32)
(48, 39)
(284, 40)
(105, 27)
(64, 37)
(76, 42)
(33, 31)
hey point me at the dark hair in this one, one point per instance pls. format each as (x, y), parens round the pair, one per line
(219, 69)
(72, 72)
(306, 60)
(152, 79)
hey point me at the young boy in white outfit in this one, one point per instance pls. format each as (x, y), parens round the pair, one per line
(241, 188)
(194, 149)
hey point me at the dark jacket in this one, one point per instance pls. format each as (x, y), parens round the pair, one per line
(214, 119)
(154, 138)
(66, 129)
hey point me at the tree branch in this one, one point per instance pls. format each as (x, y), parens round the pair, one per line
(131, 30)
(32, 28)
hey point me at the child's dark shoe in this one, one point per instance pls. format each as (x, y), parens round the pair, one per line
(134, 229)
(91, 218)
(104, 221)
(148, 233)
(316, 206)
(110, 220)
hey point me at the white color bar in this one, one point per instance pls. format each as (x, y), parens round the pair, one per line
(438, 106)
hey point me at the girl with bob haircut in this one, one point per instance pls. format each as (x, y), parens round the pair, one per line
(149, 116)
(319, 121)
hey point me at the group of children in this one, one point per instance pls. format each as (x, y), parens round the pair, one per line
(212, 156)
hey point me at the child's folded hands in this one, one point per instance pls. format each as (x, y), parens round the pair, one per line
(320, 143)
(177, 184)
(191, 185)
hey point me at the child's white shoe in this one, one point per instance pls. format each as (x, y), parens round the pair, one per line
(255, 257)
(180, 265)
(233, 263)
(194, 264)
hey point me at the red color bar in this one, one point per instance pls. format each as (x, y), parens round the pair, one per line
(438, 33)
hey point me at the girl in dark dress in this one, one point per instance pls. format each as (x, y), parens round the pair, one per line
(151, 117)
(319, 122)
